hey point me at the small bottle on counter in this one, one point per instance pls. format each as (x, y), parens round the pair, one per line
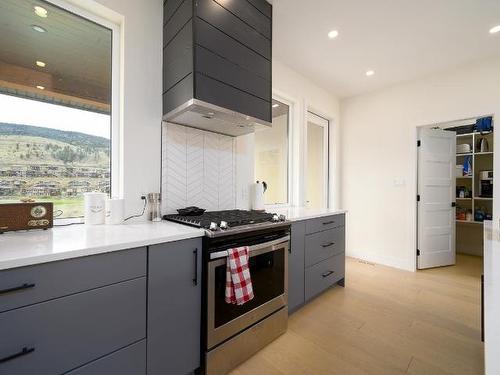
(154, 200)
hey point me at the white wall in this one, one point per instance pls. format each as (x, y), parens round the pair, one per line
(141, 23)
(379, 134)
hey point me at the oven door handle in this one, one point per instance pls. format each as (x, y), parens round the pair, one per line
(272, 245)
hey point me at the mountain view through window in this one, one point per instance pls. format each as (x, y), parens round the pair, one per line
(55, 106)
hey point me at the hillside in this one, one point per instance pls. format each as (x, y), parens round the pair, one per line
(72, 138)
(23, 144)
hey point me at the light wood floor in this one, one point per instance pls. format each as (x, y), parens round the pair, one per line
(384, 322)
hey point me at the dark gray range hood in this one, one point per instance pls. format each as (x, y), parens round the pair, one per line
(217, 69)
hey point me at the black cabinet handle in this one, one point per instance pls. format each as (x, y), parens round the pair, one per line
(328, 244)
(327, 273)
(329, 222)
(17, 288)
(195, 278)
(23, 351)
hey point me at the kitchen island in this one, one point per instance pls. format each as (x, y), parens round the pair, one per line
(491, 298)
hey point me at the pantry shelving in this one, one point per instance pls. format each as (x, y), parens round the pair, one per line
(469, 185)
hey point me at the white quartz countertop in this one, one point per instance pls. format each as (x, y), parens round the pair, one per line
(19, 249)
(304, 213)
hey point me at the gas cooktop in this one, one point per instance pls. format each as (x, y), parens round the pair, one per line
(229, 221)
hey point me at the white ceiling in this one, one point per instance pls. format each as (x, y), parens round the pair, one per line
(401, 40)
(73, 48)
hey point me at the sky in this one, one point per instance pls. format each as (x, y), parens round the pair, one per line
(31, 112)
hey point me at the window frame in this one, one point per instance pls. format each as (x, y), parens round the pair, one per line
(311, 114)
(291, 105)
(116, 141)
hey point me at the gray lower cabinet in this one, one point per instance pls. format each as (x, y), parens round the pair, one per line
(59, 335)
(323, 275)
(174, 307)
(317, 258)
(296, 266)
(130, 360)
(32, 284)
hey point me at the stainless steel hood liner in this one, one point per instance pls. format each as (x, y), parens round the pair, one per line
(205, 116)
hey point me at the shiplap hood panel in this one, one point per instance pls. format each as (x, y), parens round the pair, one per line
(217, 69)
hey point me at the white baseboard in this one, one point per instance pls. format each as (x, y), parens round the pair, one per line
(400, 263)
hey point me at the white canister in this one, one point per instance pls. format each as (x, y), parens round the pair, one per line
(94, 207)
(115, 211)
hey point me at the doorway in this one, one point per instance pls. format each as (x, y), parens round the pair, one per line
(454, 190)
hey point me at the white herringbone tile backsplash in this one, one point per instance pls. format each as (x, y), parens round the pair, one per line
(198, 169)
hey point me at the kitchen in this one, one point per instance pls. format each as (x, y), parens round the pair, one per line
(186, 99)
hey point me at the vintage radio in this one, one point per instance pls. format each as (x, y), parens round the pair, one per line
(22, 216)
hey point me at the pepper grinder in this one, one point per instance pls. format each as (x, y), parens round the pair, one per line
(154, 200)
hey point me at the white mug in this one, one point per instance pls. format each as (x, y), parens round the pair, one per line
(115, 211)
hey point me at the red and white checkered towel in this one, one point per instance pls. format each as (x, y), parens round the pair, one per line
(238, 282)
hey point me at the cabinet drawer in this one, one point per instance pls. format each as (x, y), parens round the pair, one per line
(28, 285)
(323, 275)
(127, 361)
(323, 245)
(62, 334)
(323, 223)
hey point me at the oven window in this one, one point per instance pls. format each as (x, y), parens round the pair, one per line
(268, 280)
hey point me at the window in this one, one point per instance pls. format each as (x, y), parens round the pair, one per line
(55, 101)
(271, 155)
(317, 161)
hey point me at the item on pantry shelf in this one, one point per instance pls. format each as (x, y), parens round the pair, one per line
(479, 214)
(484, 124)
(460, 215)
(468, 166)
(488, 216)
(94, 207)
(482, 145)
(463, 192)
(464, 148)
(115, 211)
(463, 129)
(459, 170)
(468, 215)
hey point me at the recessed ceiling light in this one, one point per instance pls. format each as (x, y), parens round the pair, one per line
(369, 73)
(40, 11)
(333, 34)
(41, 64)
(275, 105)
(40, 87)
(495, 29)
(40, 29)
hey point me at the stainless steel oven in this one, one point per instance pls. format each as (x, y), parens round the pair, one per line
(235, 332)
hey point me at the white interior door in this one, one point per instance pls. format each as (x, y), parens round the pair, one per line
(436, 190)
(316, 188)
